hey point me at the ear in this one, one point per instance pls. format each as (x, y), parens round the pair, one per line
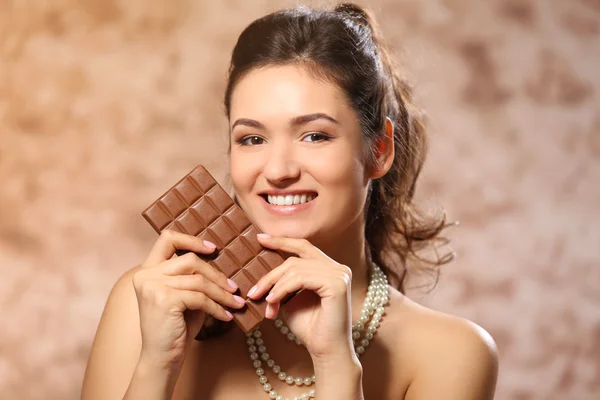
(384, 152)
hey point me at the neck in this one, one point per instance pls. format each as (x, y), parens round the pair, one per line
(349, 248)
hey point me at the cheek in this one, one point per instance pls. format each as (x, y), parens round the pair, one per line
(243, 168)
(340, 168)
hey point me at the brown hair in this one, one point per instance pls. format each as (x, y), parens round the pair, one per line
(344, 46)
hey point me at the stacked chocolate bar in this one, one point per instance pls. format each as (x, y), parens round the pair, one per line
(197, 205)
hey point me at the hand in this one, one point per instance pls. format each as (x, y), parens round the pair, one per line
(320, 315)
(174, 293)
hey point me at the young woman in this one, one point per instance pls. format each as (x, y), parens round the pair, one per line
(326, 148)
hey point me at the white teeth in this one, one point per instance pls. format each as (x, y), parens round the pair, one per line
(289, 199)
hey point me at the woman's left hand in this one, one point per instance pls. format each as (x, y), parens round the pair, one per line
(320, 315)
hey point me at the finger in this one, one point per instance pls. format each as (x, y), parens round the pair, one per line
(199, 283)
(266, 282)
(171, 241)
(324, 283)
(272, 310)
(190, 264)
(199, 301)
(302, 247)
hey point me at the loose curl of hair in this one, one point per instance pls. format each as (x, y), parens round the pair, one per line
(344, 46)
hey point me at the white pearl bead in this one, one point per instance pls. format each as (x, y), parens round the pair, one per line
(360, 349)
(260, 371)
(254, 356)
(262, 379)
(273, 394)
(282, 376)
(270, 363)
(250, 342)
(313, 378)
(297, 341)
(267, 387)
(368, 336)
(249, 334)
(276, 369)
(259, 342)
(278, 323)
(284, 330)
(307, 381)
(296, 398)
(312, 393)
(355, 335)
(291, 336)
(298, 381)
(257, 334)
(360, 326)
(372, 328)
(257, 364)
(305, 396)
(279, 397)
(252, 349)
(364, 343)
(261, 349)
(289, 380)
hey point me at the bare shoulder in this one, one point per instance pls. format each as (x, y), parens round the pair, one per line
(447, 356)
(116, 345)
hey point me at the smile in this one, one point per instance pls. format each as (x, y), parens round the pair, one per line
(290, 199)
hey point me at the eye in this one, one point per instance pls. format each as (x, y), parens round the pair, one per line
(250, 140)
(316, 137)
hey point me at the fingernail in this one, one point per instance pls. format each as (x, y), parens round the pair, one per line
(232, 284)
(210, 244)
(269, 297)
(252, 291)
(239, 299)
(263, 235)
(229, 314)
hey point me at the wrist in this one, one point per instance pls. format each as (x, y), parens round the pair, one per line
(155, 373)
(343, 361)
(335, 357)
(158, 362)
(339, 377)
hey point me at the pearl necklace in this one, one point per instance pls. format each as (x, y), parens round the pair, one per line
(372, 309)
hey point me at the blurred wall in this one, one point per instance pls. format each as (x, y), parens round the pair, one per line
(98, 97)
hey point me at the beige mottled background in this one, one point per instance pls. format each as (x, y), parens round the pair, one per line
(98, 97)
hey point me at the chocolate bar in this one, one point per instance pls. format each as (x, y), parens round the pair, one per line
(197, 205)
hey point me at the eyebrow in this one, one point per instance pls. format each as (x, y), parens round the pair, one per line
(294, 122)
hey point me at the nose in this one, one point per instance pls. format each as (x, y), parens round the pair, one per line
(281, 164)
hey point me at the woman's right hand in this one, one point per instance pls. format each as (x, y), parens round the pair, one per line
(167, 287)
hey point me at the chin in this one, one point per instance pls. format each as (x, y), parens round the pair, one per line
(287, 230)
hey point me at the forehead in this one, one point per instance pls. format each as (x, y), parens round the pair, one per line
(286, 90)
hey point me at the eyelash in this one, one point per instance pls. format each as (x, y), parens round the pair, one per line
(323, 137)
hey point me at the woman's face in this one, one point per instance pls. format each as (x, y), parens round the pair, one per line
(296, 159)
